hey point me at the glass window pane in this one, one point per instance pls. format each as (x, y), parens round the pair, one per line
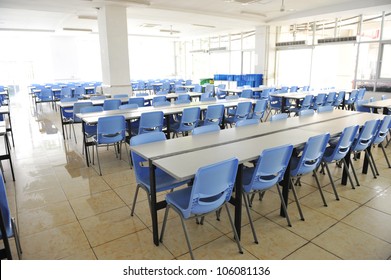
(385, 71)
(370, 30)
(293, 67)
(387, 27)
(366, 68)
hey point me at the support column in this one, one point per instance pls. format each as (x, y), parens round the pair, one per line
(261, 41)
(113, 37)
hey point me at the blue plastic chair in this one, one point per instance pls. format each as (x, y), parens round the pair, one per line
(44, 96)
(337, 152)
(111, 104)
(211, 190)
(197, 88)
(159, 98)
(189, 120)
(66, 92)
(246, 122)
(127, 106)
(378, 139)
(360, 108)
(339, 100)
(164, 181)
(306, 112)
(161, 103)
(304, 105)
(205, 129)
(67, 116)
(111, 130)
(97, 97)
(242, 112)
(362, 142)
(151, 121)
(214, 115)
(247, 93)
(293, 89)
(308, 162)
(137, 100)
(277, 117)
(330, 99)
(259, 109)
(325, 108)
(349, 103)
(8, 220)
(89, 129)
(79, 92)
(267, 173)
(319, 100)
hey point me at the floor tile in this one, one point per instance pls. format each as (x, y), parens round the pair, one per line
(311, 252)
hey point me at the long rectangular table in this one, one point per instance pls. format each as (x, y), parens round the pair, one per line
(381, 104)
(182, 157)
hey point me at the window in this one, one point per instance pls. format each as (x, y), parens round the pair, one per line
(385, 66)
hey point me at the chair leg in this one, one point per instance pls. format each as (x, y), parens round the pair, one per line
(187, 237)
(370, 163)
(347, 172)
(319, 188)
(97, 156)
(331, 180)
(245, 198)
(17, 240)
(134, 200)
(297, 200)
(374, 163)
(74, 133)
(164, 223)
(233, 229)
(354, 172)
(385, 155)
(284, 206)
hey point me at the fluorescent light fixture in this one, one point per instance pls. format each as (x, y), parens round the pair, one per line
(26, 30)
(217, 49)
(203, 25)
(252, 14)
(149, 25)
(77, 29)
(87, 17)
(198, 51)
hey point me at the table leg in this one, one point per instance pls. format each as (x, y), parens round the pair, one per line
(238, 200)
(152, 180)
(285, 183)
(85, 143)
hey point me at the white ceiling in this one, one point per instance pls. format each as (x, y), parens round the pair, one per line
(190, 17)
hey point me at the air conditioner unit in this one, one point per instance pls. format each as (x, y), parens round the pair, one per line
(291, 43)
(338, 40)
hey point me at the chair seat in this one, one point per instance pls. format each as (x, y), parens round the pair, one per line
(179, 198)
(163, 181)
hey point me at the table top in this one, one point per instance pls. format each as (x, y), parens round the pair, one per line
(239, 90)
(379, 104)
(226, 136)
(185, 165)
(92, 118)
(302, 94)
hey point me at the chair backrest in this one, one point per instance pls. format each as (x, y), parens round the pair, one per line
(142, 94)
(259, 109)
(382, 131)
(325, 108)
(214, 114)
(182, 101)
(90, 129)
(247, 93)
(162, 92)
(205, 129)
(197, 88)
(212, 187)
(111, 104)
(142, 170)
(190, 118)
(293, 89)
(77, 107)
(319, 100)
(340, 97)
(343, 145)
(183, 96)
(246, 122)
(232, 97)
(361, 93)
(280, 116)
(330, 98)
(137, 100)
(352, 96)
(5, 209)
(66, 92)
(265, 93)
(306, 112)
(128, 106)
(242, 110)
(270, 168)
(162, 103)
(151, 121)
(209, 88)
(312, 155)
(307, 101)
(79, 91)
(111, 129)
(98, 97)
(366, 135)
(45, 94)
(160, 98)
(359, 106)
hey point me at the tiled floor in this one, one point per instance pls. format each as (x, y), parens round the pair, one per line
(65, 210)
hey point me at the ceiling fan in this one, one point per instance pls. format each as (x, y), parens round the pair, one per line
(284, 9)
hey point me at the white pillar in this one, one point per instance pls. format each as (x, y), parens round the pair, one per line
(113, 37)
(261, 47)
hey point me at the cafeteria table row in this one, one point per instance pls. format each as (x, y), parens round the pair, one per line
(132, 114)
(380, 104)
(182, 157)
